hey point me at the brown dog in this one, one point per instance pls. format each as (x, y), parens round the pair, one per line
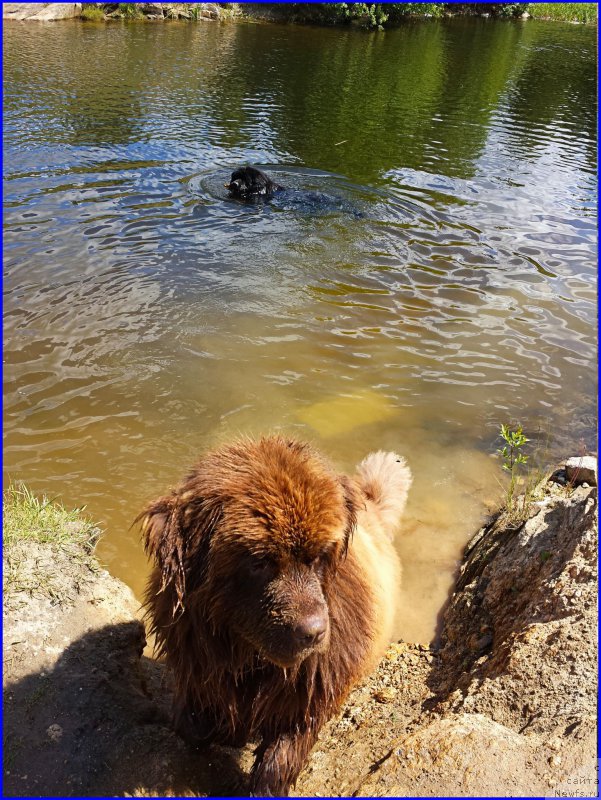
(274, 592)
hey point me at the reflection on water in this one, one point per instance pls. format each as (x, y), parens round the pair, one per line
(426, 280)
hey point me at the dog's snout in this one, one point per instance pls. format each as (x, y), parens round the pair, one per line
(311, 630)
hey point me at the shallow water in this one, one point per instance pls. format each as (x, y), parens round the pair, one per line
(429, 274)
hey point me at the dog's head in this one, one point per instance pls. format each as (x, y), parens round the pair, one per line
(250, 541)
(249, 181)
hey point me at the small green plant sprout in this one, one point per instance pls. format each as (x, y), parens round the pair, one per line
(514, 458)
(511, 452)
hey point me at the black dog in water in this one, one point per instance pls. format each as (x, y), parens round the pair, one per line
(249, 182)
(251, 186)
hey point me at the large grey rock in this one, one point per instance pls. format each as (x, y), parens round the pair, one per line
(455, 756)
(41, 12)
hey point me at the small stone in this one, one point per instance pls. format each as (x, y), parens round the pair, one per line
(555, 761)
(559, 476)
(555, 744)
(54, 732)
(582, 469)
(385, 695)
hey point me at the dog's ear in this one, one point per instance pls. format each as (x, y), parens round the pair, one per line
(352, 503)
(176, 532)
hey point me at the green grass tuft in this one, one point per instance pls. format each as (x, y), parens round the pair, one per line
(131, 10)
(90, 13)
(27, 518)
(564, 12)
(37, 535)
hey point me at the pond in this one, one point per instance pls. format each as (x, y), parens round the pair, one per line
(433, 276)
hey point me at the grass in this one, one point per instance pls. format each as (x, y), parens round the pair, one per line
(27, 518)
(29, 521)
(90, 13)
(564, 12)
(130, 10)
(521, 495)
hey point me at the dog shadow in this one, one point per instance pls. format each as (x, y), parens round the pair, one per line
(98, 724)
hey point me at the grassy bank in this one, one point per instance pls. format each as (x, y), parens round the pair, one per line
(45, 526)
(27, 518)
(564, 12)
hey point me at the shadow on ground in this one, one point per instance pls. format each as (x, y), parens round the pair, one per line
(98, 724)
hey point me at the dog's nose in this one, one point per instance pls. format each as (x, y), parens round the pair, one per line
(311, 630)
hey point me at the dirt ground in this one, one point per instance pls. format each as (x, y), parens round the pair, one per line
(505, 706)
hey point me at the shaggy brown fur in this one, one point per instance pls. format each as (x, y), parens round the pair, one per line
(273, 593)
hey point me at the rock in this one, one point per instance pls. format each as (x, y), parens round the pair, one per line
(559, 477)
(385, 695)
(581, 469)
(42, 12)
(535, 586)
(458, 752)
(210, 11)
(54, 732)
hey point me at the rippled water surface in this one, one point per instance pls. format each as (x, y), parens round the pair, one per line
(428, 274)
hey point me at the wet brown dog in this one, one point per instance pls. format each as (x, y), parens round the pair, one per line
(274, 592)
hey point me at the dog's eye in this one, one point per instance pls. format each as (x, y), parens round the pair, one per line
(259, 567)
(320, 560)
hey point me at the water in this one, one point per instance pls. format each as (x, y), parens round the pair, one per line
(433, 275)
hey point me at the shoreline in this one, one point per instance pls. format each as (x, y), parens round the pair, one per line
(372, 17)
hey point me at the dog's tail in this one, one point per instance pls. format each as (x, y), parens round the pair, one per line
(385, 479)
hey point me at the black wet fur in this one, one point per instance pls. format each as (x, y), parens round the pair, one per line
(249, 182)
